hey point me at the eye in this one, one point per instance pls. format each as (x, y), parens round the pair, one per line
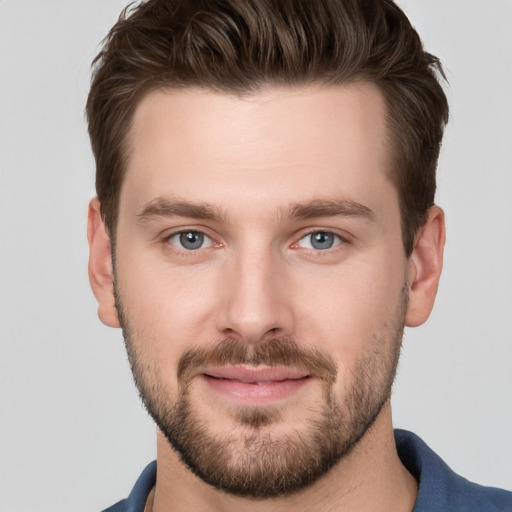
(190, 240)
(320, 240)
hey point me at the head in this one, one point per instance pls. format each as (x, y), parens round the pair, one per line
(265, 224)
(243, 47)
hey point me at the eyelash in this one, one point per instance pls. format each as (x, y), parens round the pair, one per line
(339, 241)
(166, 240)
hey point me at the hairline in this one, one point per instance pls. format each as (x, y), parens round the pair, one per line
(126, 145)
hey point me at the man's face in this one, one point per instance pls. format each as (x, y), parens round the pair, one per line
(261, 277)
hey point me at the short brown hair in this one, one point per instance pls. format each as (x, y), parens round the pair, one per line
(239, 46)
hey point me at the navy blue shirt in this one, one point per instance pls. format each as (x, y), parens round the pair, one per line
(440, 489)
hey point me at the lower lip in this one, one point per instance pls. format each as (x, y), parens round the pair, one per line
(248, 392)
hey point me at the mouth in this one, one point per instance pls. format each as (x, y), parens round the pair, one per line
(254, 385)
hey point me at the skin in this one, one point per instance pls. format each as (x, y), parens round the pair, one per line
(254, 159)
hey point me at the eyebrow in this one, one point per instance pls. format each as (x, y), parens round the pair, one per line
(163, 207)
(168, 207)
(328, 208)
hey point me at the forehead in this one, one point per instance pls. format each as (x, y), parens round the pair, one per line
(282, 143)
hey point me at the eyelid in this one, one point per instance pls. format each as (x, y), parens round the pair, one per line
(206, 239)
(167, 236)
(341, 240)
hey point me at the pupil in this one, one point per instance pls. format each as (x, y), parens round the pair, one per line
(191, 240)
(322, 240)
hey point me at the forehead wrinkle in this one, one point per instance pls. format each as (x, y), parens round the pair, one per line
(176, 207)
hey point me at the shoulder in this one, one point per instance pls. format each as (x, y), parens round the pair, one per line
(136, 501)
(120, 506)
(440, 488)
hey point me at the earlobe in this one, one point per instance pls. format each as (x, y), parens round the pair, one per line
(101, 274)
(424, 268)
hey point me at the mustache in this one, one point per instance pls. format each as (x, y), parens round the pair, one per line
(274, 352)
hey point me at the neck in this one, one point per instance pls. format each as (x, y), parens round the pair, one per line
(370, 477)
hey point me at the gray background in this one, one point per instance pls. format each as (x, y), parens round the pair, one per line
(72, 433)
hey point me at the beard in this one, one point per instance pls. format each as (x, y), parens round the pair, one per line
(252, 461)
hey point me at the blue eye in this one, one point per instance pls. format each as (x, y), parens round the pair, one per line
(190, 240)
(320, 240)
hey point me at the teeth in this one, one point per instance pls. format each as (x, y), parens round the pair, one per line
(262, 382)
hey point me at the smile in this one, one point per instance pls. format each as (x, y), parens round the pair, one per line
(254, 385)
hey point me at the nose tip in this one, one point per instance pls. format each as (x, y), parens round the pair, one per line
(253, 308)
(253, 317)
(252, 330)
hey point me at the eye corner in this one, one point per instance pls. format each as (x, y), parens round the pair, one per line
(189, 240)
(319, 240)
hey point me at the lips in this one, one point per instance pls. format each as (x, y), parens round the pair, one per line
(254, 384)
(247, 374)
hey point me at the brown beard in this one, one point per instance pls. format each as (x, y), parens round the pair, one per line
(257, 464)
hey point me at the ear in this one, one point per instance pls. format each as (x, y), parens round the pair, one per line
(101, 275)
(424, 268)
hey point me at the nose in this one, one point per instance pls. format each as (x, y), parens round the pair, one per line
(256, 302)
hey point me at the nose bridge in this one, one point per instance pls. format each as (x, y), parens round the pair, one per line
(253, 307)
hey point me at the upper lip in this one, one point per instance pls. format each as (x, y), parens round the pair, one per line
(254, 374)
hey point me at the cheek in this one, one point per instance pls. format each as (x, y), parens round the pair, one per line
(167, 307)
(351, 311)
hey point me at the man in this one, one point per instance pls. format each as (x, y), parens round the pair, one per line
(265, 227)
